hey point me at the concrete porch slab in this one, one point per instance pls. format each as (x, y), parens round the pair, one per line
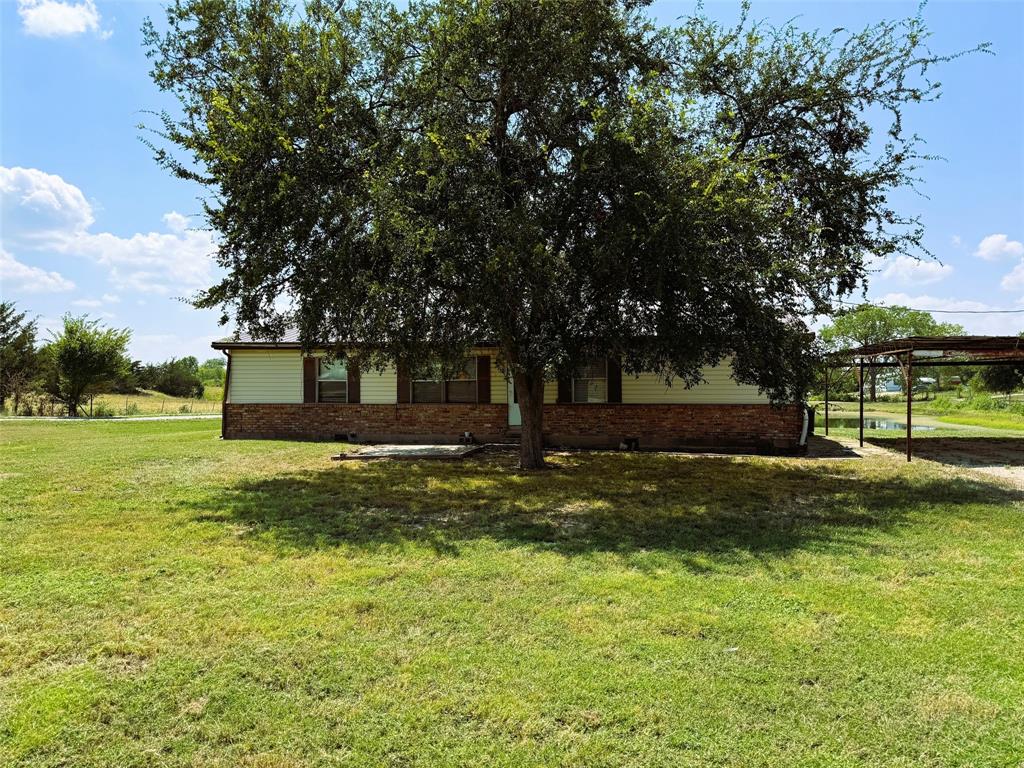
(409, 452)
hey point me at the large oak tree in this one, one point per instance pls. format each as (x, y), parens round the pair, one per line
(563, 177)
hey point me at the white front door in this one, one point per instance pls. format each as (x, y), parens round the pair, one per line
(515, 419)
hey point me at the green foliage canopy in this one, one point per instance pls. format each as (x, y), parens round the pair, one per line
(870, 324)
(82, 358)
(564, 178)
(19, 361)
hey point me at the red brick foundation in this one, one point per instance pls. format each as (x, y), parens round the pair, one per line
(758, 427)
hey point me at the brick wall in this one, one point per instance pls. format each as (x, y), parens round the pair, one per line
(587, 425)
(675, 426)
(398, 422)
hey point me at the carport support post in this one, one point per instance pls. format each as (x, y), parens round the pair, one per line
(861, 387)
(910, 401)
(826, 400)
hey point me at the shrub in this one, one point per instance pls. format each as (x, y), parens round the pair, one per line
(102, 410)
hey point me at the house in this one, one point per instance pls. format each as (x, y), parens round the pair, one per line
(274, 390)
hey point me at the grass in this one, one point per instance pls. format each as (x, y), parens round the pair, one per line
(149, 403)
(170, 599)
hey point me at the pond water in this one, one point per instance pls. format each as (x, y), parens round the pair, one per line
(870, 422)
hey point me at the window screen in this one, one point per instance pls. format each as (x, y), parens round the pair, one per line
(460, 387)
(590, 384)
(332, 383)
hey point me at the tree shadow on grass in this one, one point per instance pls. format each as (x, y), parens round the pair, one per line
(589, 502)
(966, 451)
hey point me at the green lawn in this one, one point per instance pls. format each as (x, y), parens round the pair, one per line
(170, 599)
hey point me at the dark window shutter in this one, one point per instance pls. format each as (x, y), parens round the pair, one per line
(614, 380)
(564, 389)
(310, 372)
(404, 386)
(483, 378)
(353, 381)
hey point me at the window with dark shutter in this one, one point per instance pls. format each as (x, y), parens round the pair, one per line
(432, 386)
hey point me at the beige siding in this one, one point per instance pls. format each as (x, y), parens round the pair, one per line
(718, 387)
(265, 376)
(499, 384)
(379, 386)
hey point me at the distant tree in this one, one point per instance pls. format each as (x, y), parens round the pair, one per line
(130, 381)
(567, 179)
(212, 371)
(1004, 379)
(19, 360)
(868, 324)
(178, 378)
(82, 359)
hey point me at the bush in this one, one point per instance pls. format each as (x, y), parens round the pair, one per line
(101, 410)
(132, 409)
(975, 401)
(185, 408)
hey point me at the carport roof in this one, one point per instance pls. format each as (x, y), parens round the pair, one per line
(994, 347)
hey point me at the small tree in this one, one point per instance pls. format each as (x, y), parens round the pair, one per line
(83, 358)
(1001, 378)
(19, 360)
(868, 324)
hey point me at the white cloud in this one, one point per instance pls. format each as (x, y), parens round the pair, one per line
(153, 262)
(43, 212)
(18, 276)
(960, 311)
(1015, 279)
(87, 303)
(998, 246)
(176, 222)
(907, 269)
(956, 241)
(54, 18)
(36, 204)
(111, 298)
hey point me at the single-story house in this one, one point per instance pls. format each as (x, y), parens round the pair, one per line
(274, 390)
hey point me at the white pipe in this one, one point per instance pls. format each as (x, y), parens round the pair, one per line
(807, 422)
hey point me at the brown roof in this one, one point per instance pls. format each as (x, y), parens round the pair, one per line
(948, 346)
(288, 340)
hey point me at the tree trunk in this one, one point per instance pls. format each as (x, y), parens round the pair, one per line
(530, 392)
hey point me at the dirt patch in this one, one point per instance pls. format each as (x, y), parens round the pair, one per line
(998, 457)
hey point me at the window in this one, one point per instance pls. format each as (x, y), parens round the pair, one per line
(332, 384)
(590, 383)
(459, 387)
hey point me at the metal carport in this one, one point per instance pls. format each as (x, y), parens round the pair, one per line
(928, 351)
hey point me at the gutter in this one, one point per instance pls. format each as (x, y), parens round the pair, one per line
(224, 399)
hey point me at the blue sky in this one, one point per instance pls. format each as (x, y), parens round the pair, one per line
(90, 224)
